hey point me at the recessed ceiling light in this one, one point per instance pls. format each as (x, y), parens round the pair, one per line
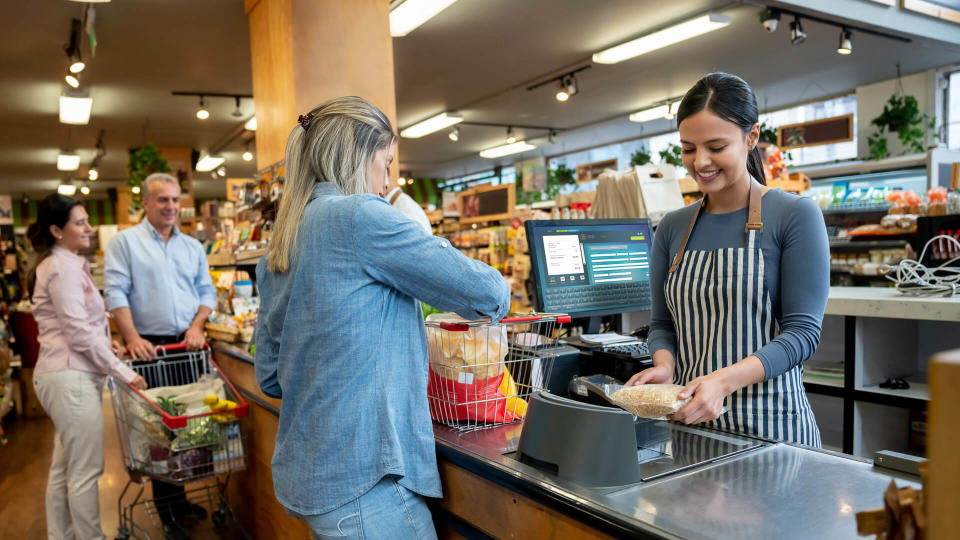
(428, 126)
(662, 38)
(406, 17)
(506, 149)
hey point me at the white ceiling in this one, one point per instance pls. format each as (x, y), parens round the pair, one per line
(477, 58)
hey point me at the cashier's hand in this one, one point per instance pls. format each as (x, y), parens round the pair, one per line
(708, 394)
(194, 339)
(654, 375)
(140, 348)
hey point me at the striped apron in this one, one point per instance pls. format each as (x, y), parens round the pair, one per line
(722, 313)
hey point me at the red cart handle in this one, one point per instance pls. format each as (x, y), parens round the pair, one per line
(461, 327)
(177, 347)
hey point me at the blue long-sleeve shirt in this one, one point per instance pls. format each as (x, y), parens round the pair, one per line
(163, 283)
(796, 256)
(340, 338)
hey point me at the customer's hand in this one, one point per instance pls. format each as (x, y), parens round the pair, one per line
(194, 338)
(140, 348)
(118, 350)
(139, 383)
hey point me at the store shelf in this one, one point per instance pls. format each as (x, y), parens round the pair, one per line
(883, 209)
(818, 379)
(918, 391)
(862, 167)
(838, 243)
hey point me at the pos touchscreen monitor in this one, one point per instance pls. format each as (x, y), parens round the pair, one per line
(590, 267)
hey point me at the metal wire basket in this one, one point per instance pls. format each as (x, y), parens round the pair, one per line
(481, 374)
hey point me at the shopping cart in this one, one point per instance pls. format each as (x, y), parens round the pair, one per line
(160, 439)
(482, 374)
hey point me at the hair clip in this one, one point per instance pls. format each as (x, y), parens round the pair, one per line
(304, 120)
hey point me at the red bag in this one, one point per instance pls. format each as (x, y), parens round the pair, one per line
(479, 400)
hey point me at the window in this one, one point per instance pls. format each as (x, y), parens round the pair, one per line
(815, 111)
(953, 110)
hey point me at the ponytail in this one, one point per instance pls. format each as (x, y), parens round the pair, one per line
(755, 165)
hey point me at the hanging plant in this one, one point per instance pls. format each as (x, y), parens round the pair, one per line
(768, 134)
(901, 115)
(557, 178)
(671, 156)
(144, 161)
(640, 157)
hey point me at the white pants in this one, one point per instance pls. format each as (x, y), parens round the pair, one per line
(72, 398)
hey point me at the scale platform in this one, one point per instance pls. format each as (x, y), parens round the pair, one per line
(598, 446)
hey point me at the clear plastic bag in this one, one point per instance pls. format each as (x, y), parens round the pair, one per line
(478, 352)
(654, 401)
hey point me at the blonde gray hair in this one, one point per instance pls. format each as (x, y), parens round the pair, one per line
(156, 178)
(337, 147)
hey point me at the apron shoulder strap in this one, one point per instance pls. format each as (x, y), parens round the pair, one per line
(754, 221)
(683, 243)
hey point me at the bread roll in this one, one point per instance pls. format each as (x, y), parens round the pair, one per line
(650, 400)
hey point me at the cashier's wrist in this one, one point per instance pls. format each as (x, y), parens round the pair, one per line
(743, 373)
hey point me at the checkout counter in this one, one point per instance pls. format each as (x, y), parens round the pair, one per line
(662, 480)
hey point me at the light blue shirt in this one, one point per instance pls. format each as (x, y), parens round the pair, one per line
(163, 283)
(340, 339)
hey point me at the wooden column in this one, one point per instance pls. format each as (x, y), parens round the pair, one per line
(943, 439)
(305, 52)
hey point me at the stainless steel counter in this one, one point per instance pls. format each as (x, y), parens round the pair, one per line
(776, 491)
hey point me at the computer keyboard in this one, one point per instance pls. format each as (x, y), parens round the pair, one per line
(584, 297)
(637, 349)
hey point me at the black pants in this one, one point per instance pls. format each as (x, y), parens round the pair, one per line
(170, 499)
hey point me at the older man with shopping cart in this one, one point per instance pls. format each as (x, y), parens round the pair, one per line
(158, 289)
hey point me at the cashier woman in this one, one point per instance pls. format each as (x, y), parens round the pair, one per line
(739, 279)
(340, 335)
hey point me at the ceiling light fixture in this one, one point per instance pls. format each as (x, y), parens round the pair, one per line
(237, 113)
(75, 108)
(67, 189)
(797, 35)
(68, 161)
(552, 137)
(72, 79)
(662, 38)
(85, 190)
(222, 171)
(770, 18)
(401, 181)
(406, 17)
(511, 138)
(247, 155)
(203, 113)
(135, 190)
(846, 42)
(251, 124)
(72, 48)
(93, 174)
(506, 150)
(672, 110)
(428, 126)
(208, 163)
(562, 94)
(76, 63)
(454, 134)
(653, 113)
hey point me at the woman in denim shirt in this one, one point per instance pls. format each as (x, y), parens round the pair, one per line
(340, 334)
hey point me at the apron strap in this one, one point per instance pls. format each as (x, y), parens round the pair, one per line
(754, 221)
(393, 196)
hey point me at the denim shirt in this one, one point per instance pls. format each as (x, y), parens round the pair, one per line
(340, 339)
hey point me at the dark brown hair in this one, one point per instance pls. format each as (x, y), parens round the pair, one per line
(52, 210)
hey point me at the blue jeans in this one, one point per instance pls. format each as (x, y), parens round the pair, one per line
(387, 510)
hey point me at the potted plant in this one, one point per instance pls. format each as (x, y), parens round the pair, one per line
(557, 178)
(640, 157)
(901, 115)
(144, 161)
(671, 156)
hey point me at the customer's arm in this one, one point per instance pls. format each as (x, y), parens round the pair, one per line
(203, 284)
(85, 336)
(117, 284)
(395, 251)
(266, 345)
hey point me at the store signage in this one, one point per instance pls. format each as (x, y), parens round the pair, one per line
(816, 132)
(487, 203)
(592, 171)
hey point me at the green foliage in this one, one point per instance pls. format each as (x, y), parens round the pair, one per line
(768, 134)
(901, 115)
(640, 157)
(144, 161)
(671, 155)
(170, 406)
(557, 178)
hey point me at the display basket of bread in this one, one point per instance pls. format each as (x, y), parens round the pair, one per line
(481, 374)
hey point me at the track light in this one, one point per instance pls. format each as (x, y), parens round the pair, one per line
(672, 110)
(562, 94)
(846, 42)
(135, 190)
(202, 112)
(511, 138)
(72, 79)
(552, 137)
(568, 88)
(76, 63)
(247, 155)
(85, 190)
(401, 181)
(93, 174)
(454, 134)
(770, 18)
(797, 35)
(237, 113)
(222, 171)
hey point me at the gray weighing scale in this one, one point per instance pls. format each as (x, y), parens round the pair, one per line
(596, 446)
